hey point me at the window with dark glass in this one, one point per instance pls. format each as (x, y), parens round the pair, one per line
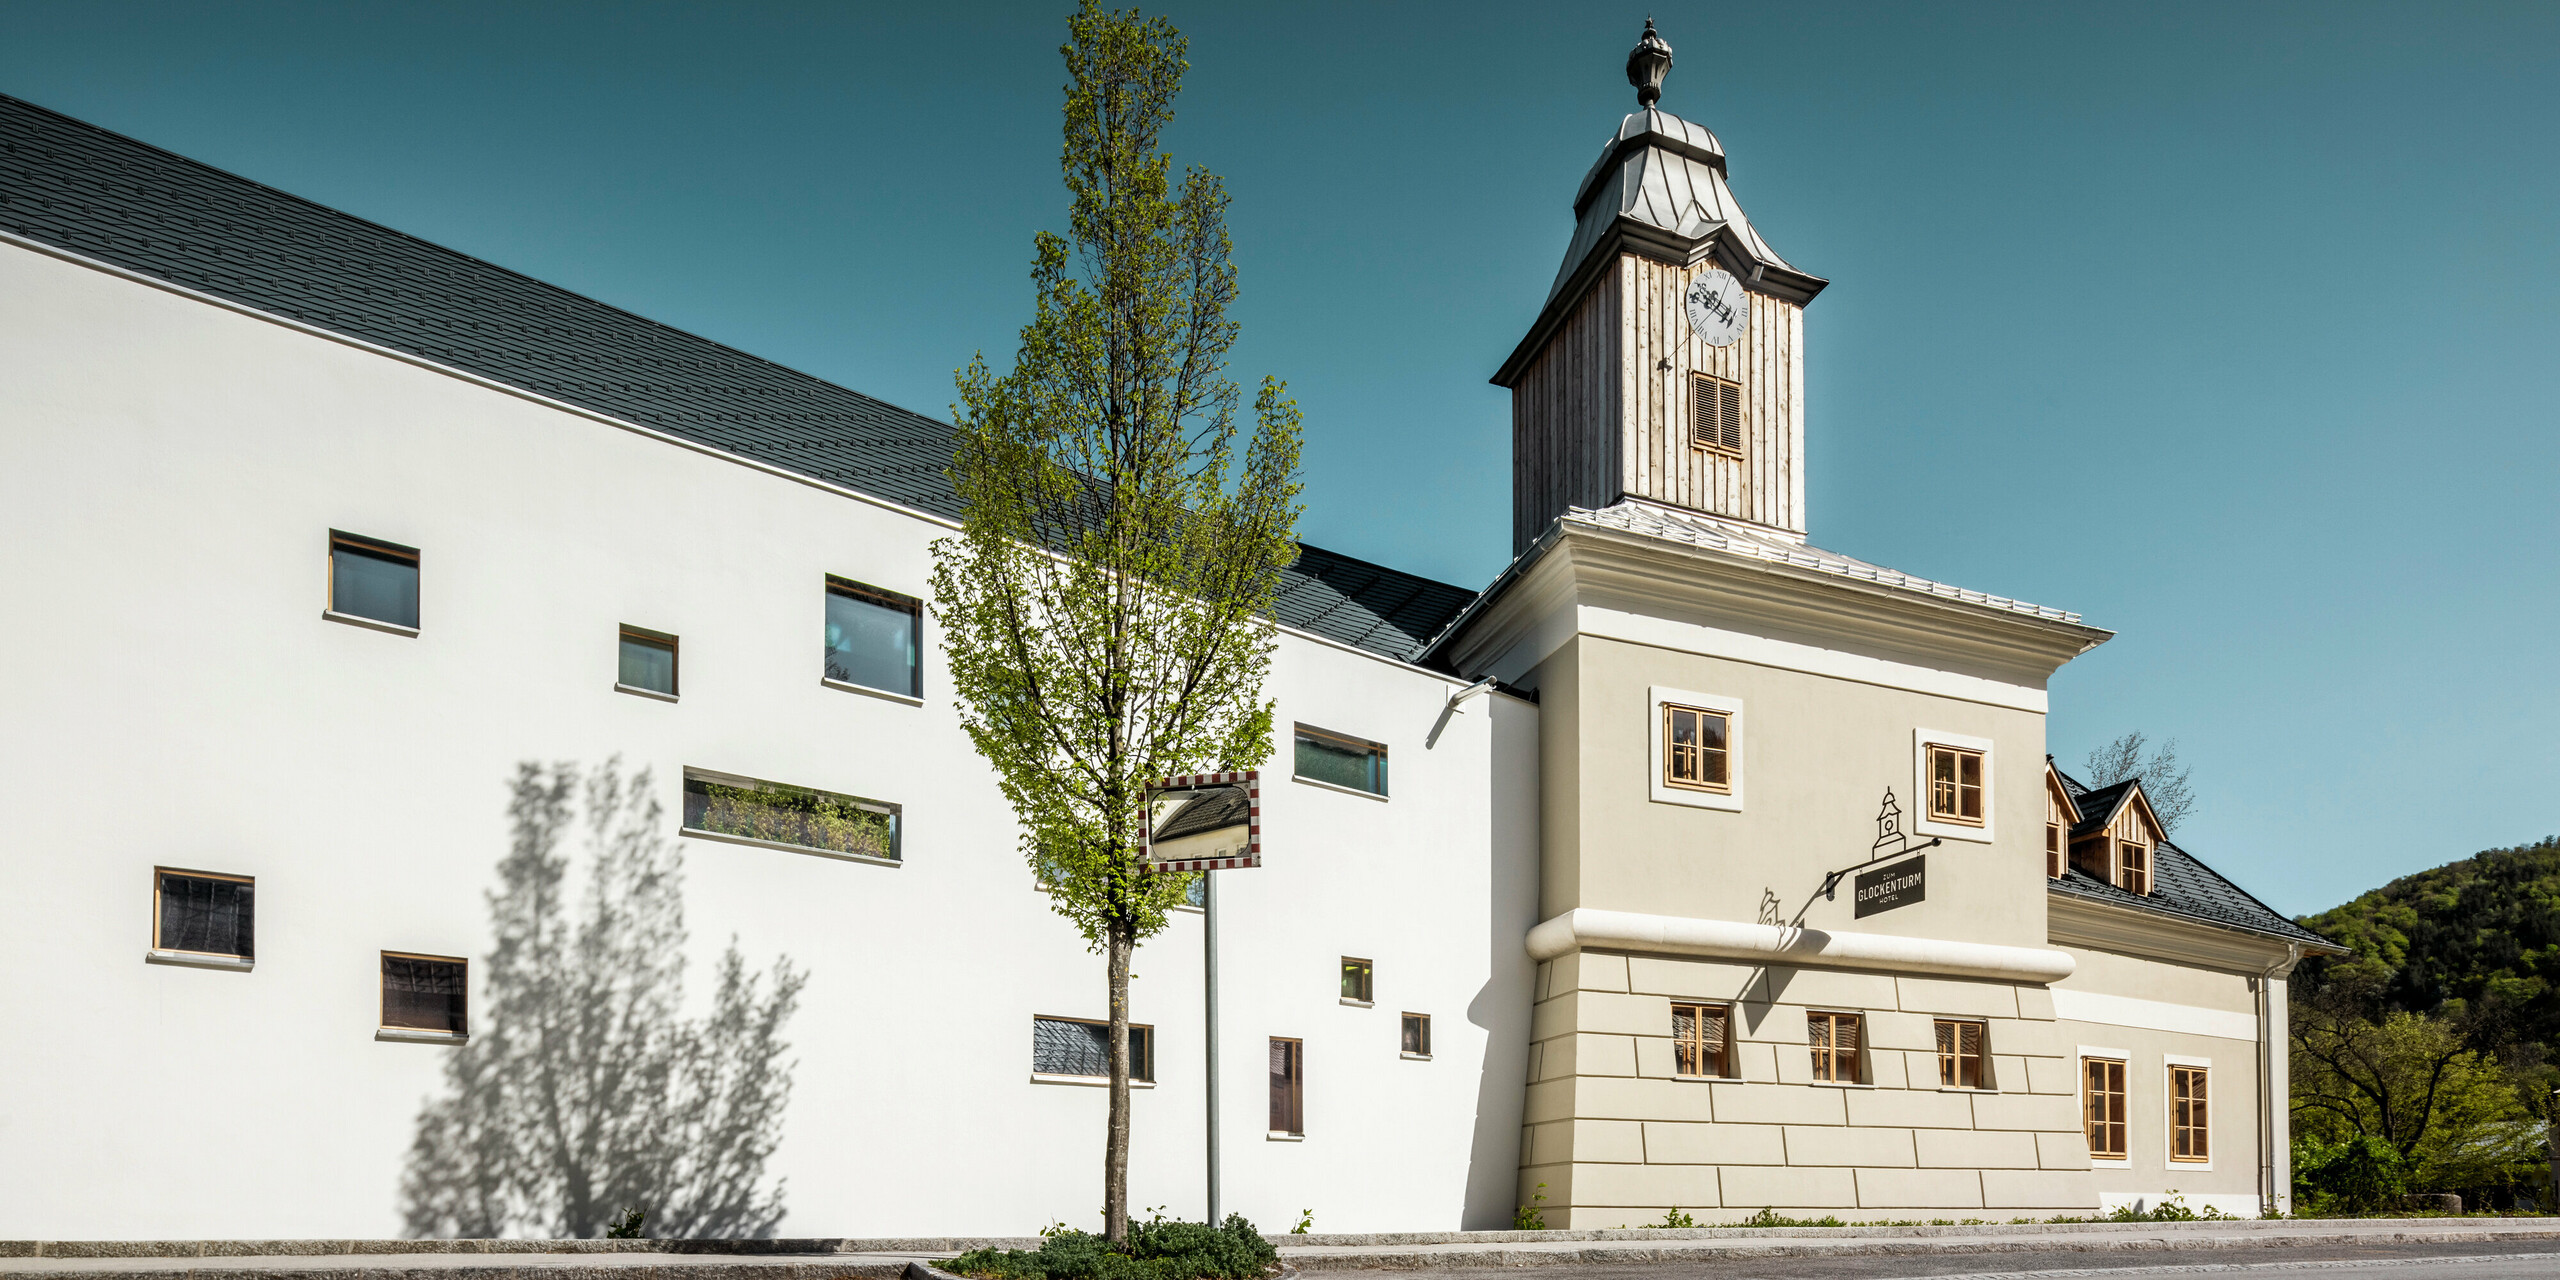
(1834, 1038)
(2190, 1127)
(1342, 760)
(648, 661)
(424, 993)
(2102, 1096)
(874, 637)
(1359, 979)
(1082, 1047)
(1960, 1056)
(1955, 785)
(1417, 1034)
(204, 914)
(1697, 749)
(723, 804)
(1698, 1039)
(373, 580)
(1288, 1087)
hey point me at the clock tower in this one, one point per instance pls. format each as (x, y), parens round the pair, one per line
(1667, 363)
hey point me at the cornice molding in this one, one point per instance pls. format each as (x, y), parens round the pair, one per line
(1585, 927)
(2074, 921)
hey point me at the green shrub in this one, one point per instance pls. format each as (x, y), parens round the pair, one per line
(1677, 1218)
(1533, 1215)
(2359, 1175)
(1157, 1250)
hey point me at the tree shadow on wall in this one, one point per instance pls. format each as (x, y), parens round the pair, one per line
(585, 1091)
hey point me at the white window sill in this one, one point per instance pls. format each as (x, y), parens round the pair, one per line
(1957, 1088)
(414, 1035)
(1091, 1082)
(199, 960)
(1709, 1079)
(2121, 1162)
(1336, 786)
(1414, 1057)
(1287, 1137)
(750, 841)
(882, 694)
(619, 687)
(1839, 1084)
(2177, 1165)
(1185, 906)
(1359, 1004)
(376, 624)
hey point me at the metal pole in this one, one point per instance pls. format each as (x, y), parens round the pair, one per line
(1209, 967)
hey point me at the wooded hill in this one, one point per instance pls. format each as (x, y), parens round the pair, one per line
(2476, 942)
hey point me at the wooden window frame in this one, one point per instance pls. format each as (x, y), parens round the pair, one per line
(1828, 1056)
(1421, 1023)
(2190, 1116)
(2108, 1129)
(2053, 861)
(1367, 996)
(1718, 408)
(1142, 1066)
(1671, 754)
(1297, 1095)
(675, 660)
(1954, 1063)
(382, 993)
(158, 874)
(1981, 785)
(1376, 751)
(1717, 1055)
(2133, 866)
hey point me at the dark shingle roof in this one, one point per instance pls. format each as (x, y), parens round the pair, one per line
(105, 196)
(2181, 886)
(2096, 806)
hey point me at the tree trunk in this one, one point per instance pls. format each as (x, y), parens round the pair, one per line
(1115, 1156)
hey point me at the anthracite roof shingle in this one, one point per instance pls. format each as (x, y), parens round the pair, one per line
(102, 195)
(2181, 886)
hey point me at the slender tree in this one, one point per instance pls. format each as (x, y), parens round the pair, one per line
(2164, 780)
(1105, 607)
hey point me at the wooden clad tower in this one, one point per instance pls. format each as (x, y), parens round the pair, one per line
(1667, 364)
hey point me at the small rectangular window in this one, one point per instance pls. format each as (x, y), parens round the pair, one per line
(800, 817)
(2133, 867)
(1697, 749)
(1955, 785)
(1082, 1047)
(1417, 1035)
(2053, 850)
(373, 580)
(203, 914)
(1960, 1056)
(874, 638)
(1358, 980)
(648, 661)
(1715, 414)
(1341, 760)
(1698, 1036)
(2102, 1097)
(424, 993)
(2190, 1115)
(1834, 1038)
(1288, 1087)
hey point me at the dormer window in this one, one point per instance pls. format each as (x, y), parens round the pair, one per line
(1715, 415)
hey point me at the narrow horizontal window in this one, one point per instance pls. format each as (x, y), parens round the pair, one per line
(373, 580)
(1698, 1037)
(1697, 748)
(648, 661)
(2190, 1115)
(1342, 760)
(204, 914)
(1960, 1055)
(424, 993)
(1835, 1038)
(1955, 785)
(802, 817)
(1715, 415)
(1359, 980)
(1082, 1047)
(874, 638)
(1417, 1034)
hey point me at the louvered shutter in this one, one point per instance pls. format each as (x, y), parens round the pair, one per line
(1729, 423)
(1715, 414)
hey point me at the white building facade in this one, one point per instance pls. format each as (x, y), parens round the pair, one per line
(316, 535)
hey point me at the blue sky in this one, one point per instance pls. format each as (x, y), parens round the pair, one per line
(2231, 327)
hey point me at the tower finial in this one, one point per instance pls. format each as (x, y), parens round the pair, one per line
(1647, 64)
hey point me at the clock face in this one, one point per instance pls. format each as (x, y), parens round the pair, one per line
(1719, 310)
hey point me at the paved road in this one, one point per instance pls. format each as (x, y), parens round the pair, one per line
(2452, 1260)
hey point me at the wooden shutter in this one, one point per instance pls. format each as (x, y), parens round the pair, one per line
(1715, 414)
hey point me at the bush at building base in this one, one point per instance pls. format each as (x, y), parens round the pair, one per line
(1156, 1250)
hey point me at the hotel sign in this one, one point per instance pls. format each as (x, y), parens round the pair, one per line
(1886, 888)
